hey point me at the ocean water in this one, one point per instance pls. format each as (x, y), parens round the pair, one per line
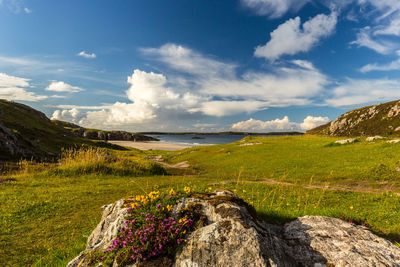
(193, 139)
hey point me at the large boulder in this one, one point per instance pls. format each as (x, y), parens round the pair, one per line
(232, 235)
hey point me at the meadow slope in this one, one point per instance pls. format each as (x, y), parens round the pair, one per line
(48, 211)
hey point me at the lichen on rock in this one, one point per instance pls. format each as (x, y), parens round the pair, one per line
(228, 233)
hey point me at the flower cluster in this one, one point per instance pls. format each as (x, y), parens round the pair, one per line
(149, 230)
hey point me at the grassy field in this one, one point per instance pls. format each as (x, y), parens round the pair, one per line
(47, 212)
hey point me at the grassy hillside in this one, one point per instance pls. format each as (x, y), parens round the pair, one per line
(47, 214)
(33, 134)
(380, 119)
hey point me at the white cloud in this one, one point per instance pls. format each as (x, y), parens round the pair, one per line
(227, 108)
(66, 115)
(364, 39)
(394, 65)
(62, 87)
(149, 97)
(204, 125)
(291, 38)
(203, 87)
(186, 60)
(363, 91)
(283, 124)
(274, 8)
(311, 122)
(86, 55)
(392, 29)
(284, 87)
(27, 10)
(14, 88)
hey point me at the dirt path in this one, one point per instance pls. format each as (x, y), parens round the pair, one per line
(359, 188)
(160, 160)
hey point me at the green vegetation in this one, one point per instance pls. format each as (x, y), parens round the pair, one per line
(47, 213)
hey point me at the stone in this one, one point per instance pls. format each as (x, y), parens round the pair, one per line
(346, 141)
(335, 242)
(230, 234)
(394, 141)
(373, 138)
(250, 144)
(111, 222)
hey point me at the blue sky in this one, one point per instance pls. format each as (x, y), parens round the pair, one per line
(199, 65)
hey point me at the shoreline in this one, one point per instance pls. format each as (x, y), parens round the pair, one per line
(151, 145)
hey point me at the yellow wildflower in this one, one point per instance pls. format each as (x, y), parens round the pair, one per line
(187, 190)
(172, 192)
(351, 207)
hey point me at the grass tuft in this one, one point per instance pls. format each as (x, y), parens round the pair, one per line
(94, 160)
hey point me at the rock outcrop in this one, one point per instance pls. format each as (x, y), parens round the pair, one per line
(94, 134)
(382, 119)
(232, 235)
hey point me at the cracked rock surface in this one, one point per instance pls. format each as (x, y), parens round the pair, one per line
(232, 235)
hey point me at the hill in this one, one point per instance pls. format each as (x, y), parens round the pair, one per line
(382, 119)
(28, 133)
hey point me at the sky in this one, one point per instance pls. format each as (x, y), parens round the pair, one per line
(199, 65)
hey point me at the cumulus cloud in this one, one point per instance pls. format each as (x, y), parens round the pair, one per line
(274, 8)
(149, 95)
(86, 55)
(291, 37)
(71, 115)
(14, 88)
(58, 86)
(364, 39)
(354, 92)
(311, 122)
(283, 124)
(27, 10)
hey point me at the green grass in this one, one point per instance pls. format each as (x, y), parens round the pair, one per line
(297, 160)
(46, 216)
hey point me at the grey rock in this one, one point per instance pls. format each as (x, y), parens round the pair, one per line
(373, 138)
(230, 234)
(112, 220)
(346, 141)
(338, 243)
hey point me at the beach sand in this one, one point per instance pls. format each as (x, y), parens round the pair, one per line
(150, 145)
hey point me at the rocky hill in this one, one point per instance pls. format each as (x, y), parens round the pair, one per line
(382, 119)
(95, 134)
(29, 134)
(26, 133)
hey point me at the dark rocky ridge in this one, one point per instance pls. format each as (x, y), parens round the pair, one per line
(382, 119)
(95, 134)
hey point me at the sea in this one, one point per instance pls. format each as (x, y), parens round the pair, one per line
(195, 140)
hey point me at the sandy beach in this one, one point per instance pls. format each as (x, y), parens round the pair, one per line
(150, 145)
